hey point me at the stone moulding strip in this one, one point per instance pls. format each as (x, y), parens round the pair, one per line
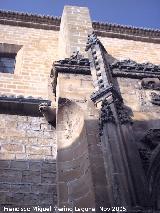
(21, 106)
(76, 64)
(132, 69)
(29, 20)
(126, 32)
(155, 98)
(73, 69)
(101, 29)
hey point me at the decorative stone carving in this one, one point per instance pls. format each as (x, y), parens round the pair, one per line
(101, 94)
(145, 155)
(155, 98)
(75, 59)
(76, 64)
(150, 142)
(92, 40)
(30, 20)
(104, 82)
(21, 105)
(97, 61)
(123, 114)
(106, 115)
(116, 137)
(104, 93)
(49, 113)
(152, 138)
(126, 32)
(151, 83)
(132, 69)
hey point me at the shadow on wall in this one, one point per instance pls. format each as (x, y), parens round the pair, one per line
(27, 183)
(32, 181)
(146, 129)
(147, 136)
(27, 162)
(80, 164)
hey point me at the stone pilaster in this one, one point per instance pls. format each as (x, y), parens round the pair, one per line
(75, 26)
(127, 185)
(80, 165)
(75, 187)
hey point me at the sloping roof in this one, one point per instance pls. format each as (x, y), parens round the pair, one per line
(101, 29)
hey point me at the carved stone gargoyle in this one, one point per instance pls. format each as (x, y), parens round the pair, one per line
(49, 113)
(151, 83)
(155, 98)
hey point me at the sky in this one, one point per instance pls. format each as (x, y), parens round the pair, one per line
(138, 13)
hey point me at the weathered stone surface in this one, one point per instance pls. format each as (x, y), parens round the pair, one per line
(5, 187)
(73, 33)
(12, 148)
(35, 166)
(4, 164)
(28, 151)
(46, 198)
(10, 175)
(79, 187)
(38, 150)
(48, 179)
(20, 188)
(31, 176)
(24, 160)
(73, 174)
(48, 167)
(20, 165)
(44, 188)
(63, 192)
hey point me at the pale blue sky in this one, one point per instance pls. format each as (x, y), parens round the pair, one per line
(140, 13)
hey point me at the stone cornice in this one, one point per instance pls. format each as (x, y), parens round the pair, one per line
(101, 29)
(126, 32)
(21, 105)
(29, 20)
(132, 69)
(76, 64)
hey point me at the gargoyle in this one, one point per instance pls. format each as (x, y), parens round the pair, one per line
(155, 98)
(151, 83)
(49, 113)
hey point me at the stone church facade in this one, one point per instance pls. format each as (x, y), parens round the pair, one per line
(80, 116)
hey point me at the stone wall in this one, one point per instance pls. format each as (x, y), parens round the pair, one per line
(27, 162)
(138, 51)
(75, 187)
(79, 157)
(29, 166)
(138, 99)
(74, 29)
(34, 60)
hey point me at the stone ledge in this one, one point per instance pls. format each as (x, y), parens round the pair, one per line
(101, 29)
(20, 105)
(29, 20)
(126, 32)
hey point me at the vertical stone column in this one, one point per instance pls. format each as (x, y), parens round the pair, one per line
(74, 86)
(127, 183)
(80, 167)
(74, 29)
